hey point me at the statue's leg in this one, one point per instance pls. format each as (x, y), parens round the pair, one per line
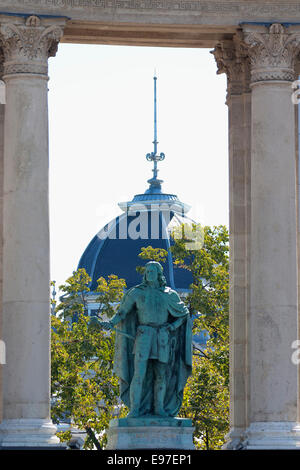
(142, 349)
(160, 384)
(136, 386)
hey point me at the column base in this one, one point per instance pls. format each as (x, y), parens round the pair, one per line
(272, 435)
(29, 433)
(234, 440)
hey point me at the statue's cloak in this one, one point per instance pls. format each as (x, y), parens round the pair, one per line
(179, 366)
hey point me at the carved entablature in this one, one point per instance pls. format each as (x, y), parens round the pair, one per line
(272, 51)
(27, 45)
(231, 58)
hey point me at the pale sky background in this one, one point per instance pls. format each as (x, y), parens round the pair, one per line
(101, 127)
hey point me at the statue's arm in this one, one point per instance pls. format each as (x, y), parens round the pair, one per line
(126, 306)
(177, 323)
(184, 312)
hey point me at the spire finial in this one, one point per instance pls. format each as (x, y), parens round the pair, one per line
(155, 183)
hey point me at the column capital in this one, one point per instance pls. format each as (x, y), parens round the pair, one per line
(272, 51)
(27, 43)
(232, 59)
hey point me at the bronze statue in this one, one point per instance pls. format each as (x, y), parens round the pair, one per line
(153, 351)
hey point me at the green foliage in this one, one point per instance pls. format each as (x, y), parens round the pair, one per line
(206, 403)
(153, 254)
(83, 386)
(206, 397)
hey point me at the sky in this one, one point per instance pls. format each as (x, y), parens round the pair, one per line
(101, 128)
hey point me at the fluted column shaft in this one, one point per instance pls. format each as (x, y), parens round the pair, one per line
(2, 110)
(297, 123)
(231, 60)
(27, 44)
(263, 236)
(273, 269)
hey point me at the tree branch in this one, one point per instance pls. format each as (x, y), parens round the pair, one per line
(93, 438)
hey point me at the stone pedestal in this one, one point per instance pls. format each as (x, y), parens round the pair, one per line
(150, 433)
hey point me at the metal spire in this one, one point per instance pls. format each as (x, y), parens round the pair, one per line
(155, 183)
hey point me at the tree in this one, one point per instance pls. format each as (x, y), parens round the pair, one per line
(83, 386)
(153, 254)
(206, 397)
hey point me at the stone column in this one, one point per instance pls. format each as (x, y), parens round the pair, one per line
(27, 44)
(2, 108)
(272, 324)
(232, 60)
(296, 111)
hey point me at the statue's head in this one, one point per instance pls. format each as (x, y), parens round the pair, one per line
(154, 272)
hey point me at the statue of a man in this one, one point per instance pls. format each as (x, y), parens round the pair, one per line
(153, 352)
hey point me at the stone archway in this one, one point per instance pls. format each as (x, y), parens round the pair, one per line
(256, 45)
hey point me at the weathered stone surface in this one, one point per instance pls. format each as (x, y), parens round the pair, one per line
(272, 51)
(151, 421)
(263, 243)
(22, 433)
(149, 437)
(2, 110)
(26, 44)
(273, 299)
(272, 435)
(232, 59)
(103, 21)
(226, 10)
